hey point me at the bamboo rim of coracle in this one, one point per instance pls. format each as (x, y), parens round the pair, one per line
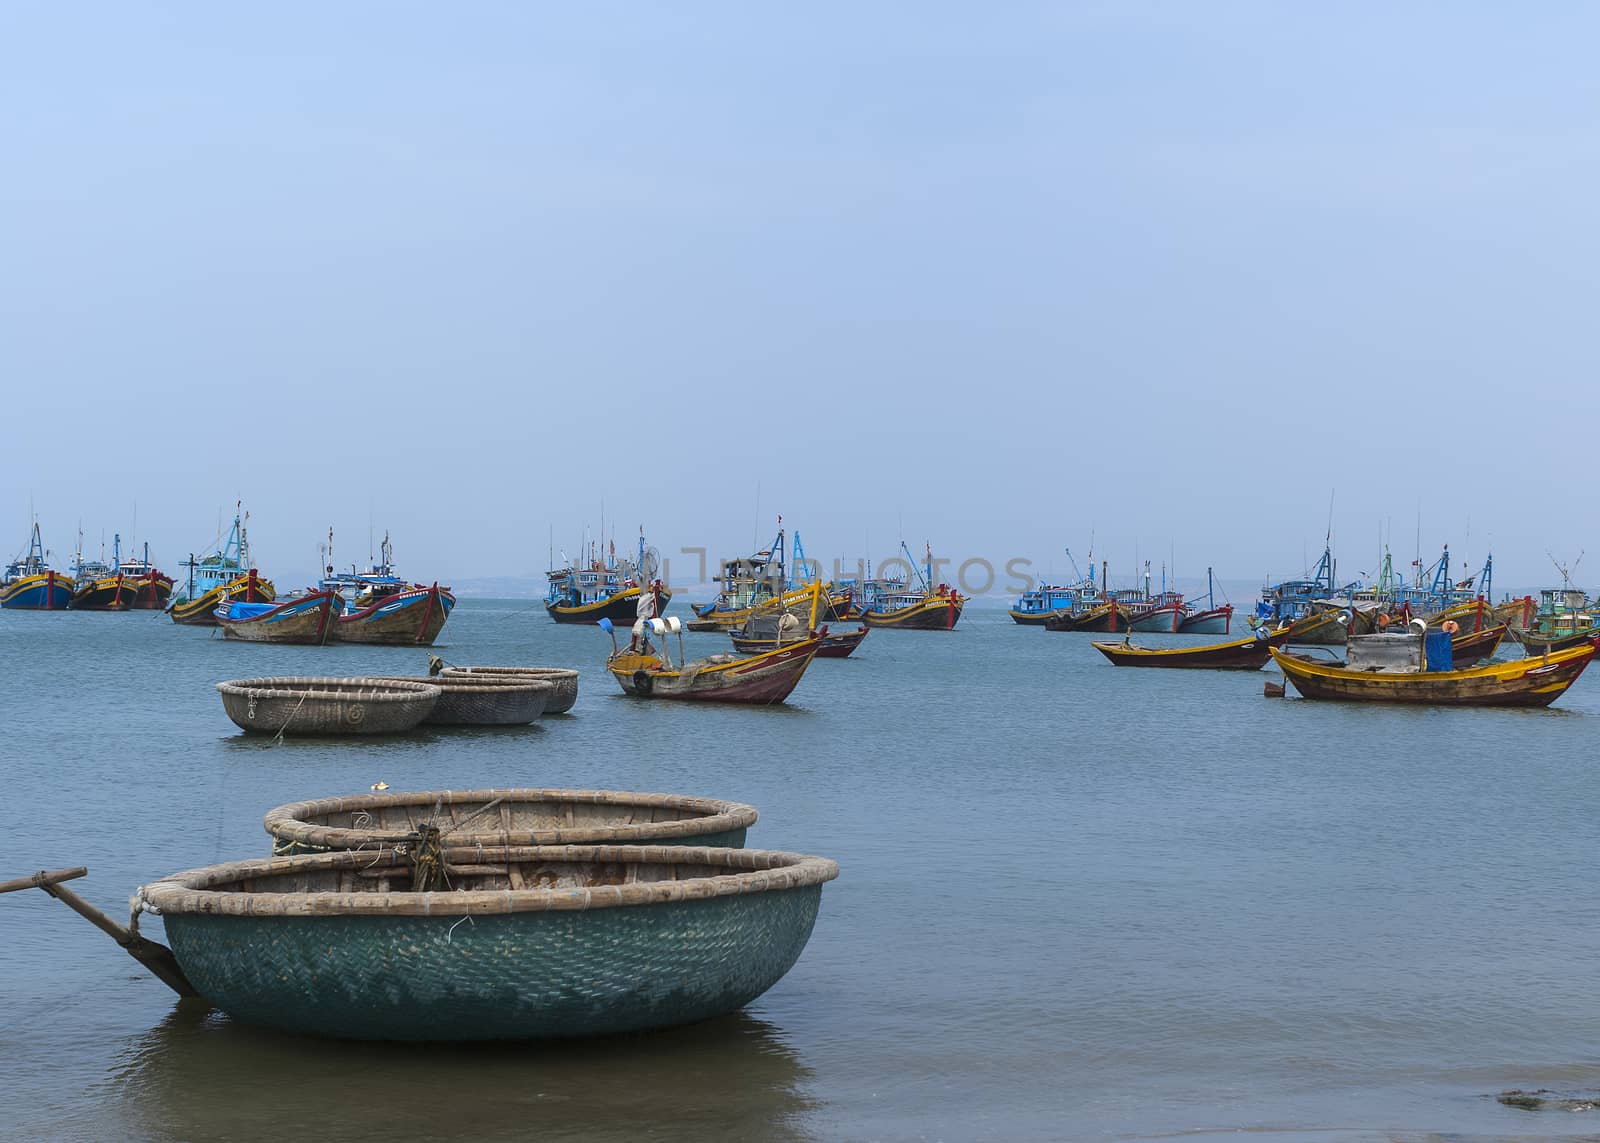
(751, 871)
(498, 684)
(288, 823)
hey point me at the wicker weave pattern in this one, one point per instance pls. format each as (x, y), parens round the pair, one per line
(523, 976)
(486, 700)
(628, 819)
(316, 706)
(565, 680)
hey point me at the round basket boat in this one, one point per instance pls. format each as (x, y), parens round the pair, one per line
(485, 700)
(508, 818)
(528, 943)
(565, 680)
(327, 706)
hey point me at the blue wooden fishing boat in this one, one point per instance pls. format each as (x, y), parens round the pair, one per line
(358, 588)
(1433, 591)
(1295, 599)
(1037, 606)
(31, 584)
(224, 575)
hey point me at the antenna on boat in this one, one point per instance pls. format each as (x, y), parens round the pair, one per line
(1566, 572)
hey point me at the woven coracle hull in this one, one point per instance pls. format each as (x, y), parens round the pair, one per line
(603, 955)
(309, 706)
(564, 679)
(500, 817)
(487, 700)
(525, 976)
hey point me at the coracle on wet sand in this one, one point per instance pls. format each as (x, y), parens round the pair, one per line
(316, 706)
(528, 943)
(508, 818)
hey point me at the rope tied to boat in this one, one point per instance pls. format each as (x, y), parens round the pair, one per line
(277, 738)
(137, 904)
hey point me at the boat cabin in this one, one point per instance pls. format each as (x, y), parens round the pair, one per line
(1400, 652)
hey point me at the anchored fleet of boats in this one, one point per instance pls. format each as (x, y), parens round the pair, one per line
(224, 589)
(780, 613)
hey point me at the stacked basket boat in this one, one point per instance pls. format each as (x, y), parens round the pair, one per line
(499, 696)
(564, 681)
(492, 914)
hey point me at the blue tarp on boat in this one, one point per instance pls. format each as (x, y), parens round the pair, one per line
(1439, 651)
(248, 610)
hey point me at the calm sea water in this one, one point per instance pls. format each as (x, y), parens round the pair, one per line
(1076, 901)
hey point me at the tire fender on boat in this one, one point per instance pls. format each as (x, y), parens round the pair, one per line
(642, 682)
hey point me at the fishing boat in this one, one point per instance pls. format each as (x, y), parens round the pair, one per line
(842, 606)
(1161, 613)
(765, 678)
(1152, 612)
(31, 584)
(1563, 610)
(1104, 616)
(151, 587)
(778, 624)
(607, 588)
(1469, 648)
(1210, 619)
(747, 583)
(305, 619)
(470, 818)
(1292, 600)
(359, 587)
(101, 586)
(226, 575)
(1414, 668)
(839, 596)
(1433, 593)
(1534, 643)
(1240, 655)
(411, 617)
(920, 607)
(1036, 606)
(1330, 628)
(833, 644)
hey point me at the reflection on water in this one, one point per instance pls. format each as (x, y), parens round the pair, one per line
(199, 1075)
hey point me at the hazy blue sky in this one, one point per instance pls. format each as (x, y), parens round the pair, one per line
(1009, 274)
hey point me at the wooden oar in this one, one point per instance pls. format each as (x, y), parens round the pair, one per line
(154, 955)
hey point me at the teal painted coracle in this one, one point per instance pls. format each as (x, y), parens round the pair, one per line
(531, 975)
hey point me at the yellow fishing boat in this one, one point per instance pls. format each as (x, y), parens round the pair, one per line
(1534, 681)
